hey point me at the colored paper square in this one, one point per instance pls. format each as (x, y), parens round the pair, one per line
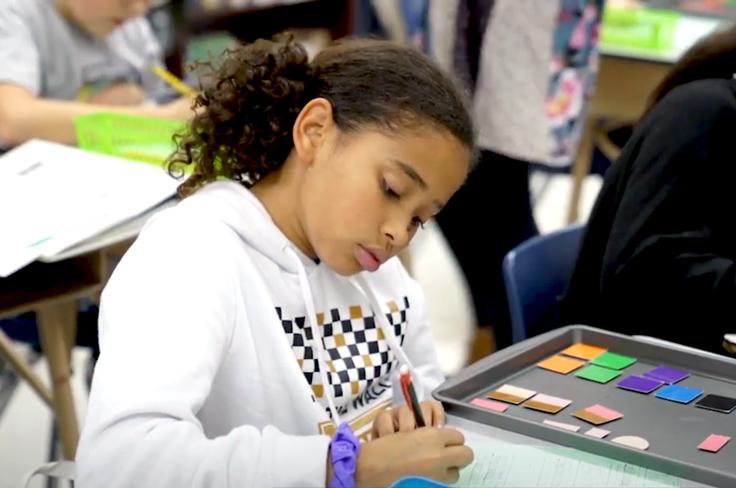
(598, 374)
(489, 404)
(511, 394)
(640, 384)
(679, 394)
(613, 360)
(597, 432)
(598, 414)
(605, 412)
(714, 443)
(717, 403)
(561, 364)
(667, 374)
(517, 391)
(547, 403)
(584, 351)
(589, 417)
(552, 400)
(561, 425)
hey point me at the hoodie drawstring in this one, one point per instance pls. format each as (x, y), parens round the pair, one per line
(364, 288)
(316, 334)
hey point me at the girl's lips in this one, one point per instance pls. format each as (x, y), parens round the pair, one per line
(367, 260)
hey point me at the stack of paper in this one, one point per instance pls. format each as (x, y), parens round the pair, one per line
(53, 196)
(502, 464)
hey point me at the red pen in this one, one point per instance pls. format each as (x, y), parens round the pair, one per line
(410, 395)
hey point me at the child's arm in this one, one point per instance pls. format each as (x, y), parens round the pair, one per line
(24, 116)
(120, 94)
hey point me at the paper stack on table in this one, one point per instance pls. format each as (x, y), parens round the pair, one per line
(502, 464)
(54, 196)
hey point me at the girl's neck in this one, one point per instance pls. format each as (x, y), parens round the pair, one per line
(63, 8)
(279, 193)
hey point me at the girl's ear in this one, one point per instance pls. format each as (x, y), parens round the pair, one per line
(312, 128)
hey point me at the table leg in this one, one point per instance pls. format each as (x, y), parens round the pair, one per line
(57, 324)
(20, 365)
(580, 169)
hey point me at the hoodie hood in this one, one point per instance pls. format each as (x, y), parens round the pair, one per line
(238, 208)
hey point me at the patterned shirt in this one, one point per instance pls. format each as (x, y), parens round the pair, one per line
(356, 353)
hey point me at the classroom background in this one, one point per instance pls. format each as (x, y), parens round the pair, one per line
(634, 52)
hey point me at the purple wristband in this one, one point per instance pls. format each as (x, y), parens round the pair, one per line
(344, 448)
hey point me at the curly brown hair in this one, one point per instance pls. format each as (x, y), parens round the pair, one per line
(252, 98)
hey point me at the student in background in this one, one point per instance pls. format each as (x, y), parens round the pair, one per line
(259, 324)
(659, 254)
(64, 58)
(530, 65)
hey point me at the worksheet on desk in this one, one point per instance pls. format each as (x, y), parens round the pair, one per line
(500, 464)
(53, 196)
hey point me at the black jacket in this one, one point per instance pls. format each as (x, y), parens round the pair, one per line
(658, 254)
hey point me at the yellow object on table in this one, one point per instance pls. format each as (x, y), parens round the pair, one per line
(176, 83)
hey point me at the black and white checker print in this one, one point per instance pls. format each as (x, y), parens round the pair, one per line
(356, 351)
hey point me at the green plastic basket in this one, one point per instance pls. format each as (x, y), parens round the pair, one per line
(145, 139)
(639, 28)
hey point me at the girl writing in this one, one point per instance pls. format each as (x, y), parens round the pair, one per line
(254, 331)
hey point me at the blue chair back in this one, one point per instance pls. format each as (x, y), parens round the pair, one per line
(536, 274)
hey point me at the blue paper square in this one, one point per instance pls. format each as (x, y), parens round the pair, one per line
(679, 394)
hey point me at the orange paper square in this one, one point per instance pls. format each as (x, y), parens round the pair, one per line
(561, 364)
(584, 351)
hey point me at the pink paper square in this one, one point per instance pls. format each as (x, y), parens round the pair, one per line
(714, 443)
(489, 404)
(604, 412)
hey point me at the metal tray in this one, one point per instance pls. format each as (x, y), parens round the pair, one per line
(673, 430)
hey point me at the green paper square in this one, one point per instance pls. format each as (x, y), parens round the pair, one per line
(613, 361)
(598, 374)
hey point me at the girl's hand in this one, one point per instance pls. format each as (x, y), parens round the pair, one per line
(435, 453)
(401, 419)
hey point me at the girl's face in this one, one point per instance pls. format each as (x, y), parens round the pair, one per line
(101, 17)
(367, 193)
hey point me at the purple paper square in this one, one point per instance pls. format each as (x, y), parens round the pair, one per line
(667, 374)
(640, 384)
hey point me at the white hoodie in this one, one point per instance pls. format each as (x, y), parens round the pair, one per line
(210, 374)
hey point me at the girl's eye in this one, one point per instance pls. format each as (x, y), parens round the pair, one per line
(417, 222)
(389, 192)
